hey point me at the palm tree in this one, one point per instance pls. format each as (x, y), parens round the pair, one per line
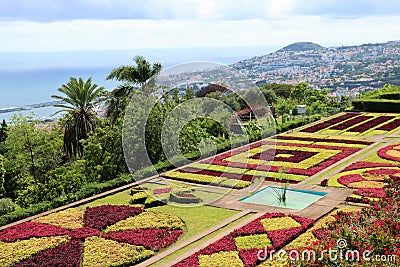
(131, 76)
(81, 118)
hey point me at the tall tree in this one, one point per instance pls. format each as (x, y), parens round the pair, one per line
(80, 97)
(130, 76)
(3, 136)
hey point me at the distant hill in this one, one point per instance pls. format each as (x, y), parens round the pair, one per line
(302, 46)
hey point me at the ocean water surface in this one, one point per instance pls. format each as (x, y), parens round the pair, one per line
(32, 77)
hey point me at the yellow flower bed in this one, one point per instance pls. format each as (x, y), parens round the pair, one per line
(279, 223)
(221, 259)
(100, 252)
(253, 241)
(12, 253)
(366, 184)
(67, 219)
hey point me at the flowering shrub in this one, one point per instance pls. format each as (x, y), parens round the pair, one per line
(375, 228)
(241, 246)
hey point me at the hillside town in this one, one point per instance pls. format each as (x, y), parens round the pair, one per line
(345, 70)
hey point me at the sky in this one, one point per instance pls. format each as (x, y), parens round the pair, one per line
(96, 25)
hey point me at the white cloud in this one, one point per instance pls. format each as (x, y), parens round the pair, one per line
(136, 34)
(54, 10)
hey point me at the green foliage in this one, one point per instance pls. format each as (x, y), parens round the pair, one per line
(6, 206)
(138, 74)
(3, 136)
(280, 90)
(2, 175)
(385, 99)
(376, 105)
(81, 119)
(129, 76)
(103, 154)
(31, 152)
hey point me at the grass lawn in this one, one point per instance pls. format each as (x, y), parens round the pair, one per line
(197, 219)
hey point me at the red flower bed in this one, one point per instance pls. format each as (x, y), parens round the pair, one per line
(362, 165)
(28, 230)
(83, 233)
(326, 124)
(280, 238)
(236, 176)
(321, 233)
(351, 178)
(384, 171)
(249, 256)
(102, 216)
(370, 192)
(313, 139)
(162, 190)
(370, 124)
(154, 239)
(390, 125)
(187, 195)
(297, 155)
(346, 151)
(351, 122)
(64, 255)
(383, 153)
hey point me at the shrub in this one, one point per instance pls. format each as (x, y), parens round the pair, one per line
(6, 206)
(139, 198)
(184, 199)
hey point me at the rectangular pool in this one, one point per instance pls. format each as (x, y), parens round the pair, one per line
(295, 199)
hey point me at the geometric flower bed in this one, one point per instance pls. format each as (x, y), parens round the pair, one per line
(241, 247)
(306, 239)
(299, 156)
(368, 177)
(357, 124)
(107, 235)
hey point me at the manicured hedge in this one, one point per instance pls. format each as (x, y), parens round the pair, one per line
(377, 105)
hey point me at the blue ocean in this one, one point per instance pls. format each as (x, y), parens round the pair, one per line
(32, 77)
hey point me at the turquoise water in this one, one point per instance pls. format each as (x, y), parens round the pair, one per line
(295, 199)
